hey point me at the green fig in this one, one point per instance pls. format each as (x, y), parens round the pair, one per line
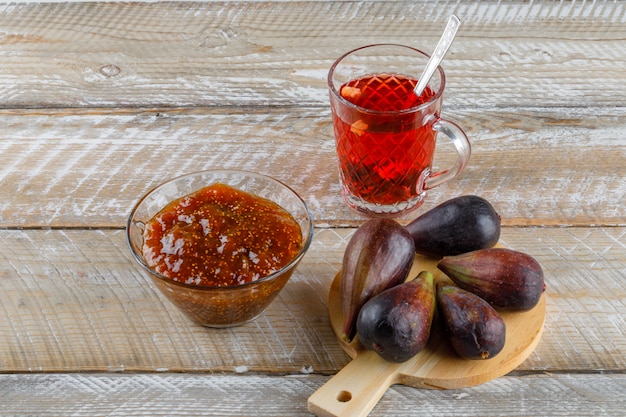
(462, 224)
(378, 256)
(475, 329)
(396, 323)
(505, 278)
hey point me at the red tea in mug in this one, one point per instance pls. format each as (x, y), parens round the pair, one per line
(382, 156)
(385, 134)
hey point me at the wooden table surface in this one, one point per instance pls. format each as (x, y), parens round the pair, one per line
(99, 102)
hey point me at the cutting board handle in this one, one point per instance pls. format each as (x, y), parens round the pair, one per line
(356, 389)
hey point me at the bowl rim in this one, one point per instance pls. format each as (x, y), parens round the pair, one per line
(291, 264)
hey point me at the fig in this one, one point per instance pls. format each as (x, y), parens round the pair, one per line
(475, 329)
(505, 278)
(462, 224)
(378, 256)
(396, 323)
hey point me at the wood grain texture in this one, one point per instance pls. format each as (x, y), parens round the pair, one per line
(241, 85)
(278, 53)
(74, 301)
(178, 395)
(87, 168)
(100, 101)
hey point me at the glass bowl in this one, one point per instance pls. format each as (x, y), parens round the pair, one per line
(223, 306)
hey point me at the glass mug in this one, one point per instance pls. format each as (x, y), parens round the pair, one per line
(385, 135)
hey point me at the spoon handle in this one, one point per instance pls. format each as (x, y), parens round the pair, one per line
(440, 51)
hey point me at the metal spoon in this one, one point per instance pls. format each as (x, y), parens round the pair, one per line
(440, 51)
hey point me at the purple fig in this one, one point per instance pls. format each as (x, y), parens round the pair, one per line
(505, 278)
(379, 255)
(396, 323)
(462, 224)
(475, 329)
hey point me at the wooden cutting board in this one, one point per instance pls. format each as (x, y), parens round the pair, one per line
(356, 389)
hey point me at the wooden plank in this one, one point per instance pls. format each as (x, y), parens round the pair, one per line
(101, 101)
(72, 300)
(584, 395)
(87, 168)
(278, 53)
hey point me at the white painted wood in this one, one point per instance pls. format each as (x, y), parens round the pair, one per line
(72, 300)
(89, 167)
(181, 395)
(545, 54)
(100, 101)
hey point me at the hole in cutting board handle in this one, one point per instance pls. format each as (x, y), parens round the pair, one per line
(344, 396)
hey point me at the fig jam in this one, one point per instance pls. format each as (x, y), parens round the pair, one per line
(220, 236)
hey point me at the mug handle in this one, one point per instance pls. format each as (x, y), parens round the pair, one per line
(462, 145)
